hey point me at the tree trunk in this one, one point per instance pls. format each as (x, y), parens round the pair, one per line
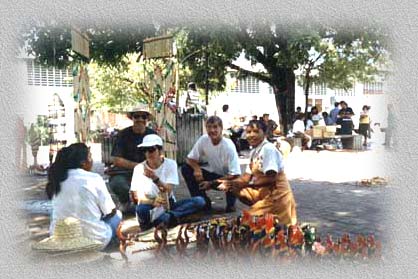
(307, 84)
(207, 78)
(284, 93)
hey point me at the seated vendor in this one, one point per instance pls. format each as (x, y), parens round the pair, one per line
(152, 188)
(264, 187)
(127, 155)
(298, 130)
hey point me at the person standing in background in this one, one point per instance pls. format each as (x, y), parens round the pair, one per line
(364, 124)
(226, 120)
(344, 119)
(333, 114)
(327, 119)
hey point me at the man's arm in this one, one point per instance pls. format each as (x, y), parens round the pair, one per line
(235, 184)
(197, 171)
(124, 163)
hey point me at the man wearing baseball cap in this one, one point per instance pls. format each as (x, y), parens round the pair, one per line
(126, 154)
(152, 188)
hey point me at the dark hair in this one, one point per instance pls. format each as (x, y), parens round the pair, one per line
(300, 116)
(214, 120)
(336, 104)
(225, 108)
(325, 114)
(366, 107)
(192, 86)
(258, 124)
(70, 157)
(298, 108)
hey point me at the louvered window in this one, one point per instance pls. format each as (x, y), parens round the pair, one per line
(345, 93)
(247, 85)
(372, 88)
(318, 89)
(39, 75)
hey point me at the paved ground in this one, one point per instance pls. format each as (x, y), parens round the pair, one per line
(325, 184)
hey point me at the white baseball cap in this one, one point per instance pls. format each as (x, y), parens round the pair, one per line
(151, 140)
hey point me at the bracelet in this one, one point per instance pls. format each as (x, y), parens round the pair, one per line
(156, 180)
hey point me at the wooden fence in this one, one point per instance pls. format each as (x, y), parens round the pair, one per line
(189, 128)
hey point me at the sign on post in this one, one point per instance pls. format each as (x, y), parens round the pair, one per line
(80, 43)
(158, 47)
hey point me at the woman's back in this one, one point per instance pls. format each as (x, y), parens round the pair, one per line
(84, 196)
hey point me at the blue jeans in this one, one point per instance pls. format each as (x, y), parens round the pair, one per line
(177, 209)
(114, 222)
(193, 186)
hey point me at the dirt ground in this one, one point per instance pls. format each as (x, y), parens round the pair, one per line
(327, 188)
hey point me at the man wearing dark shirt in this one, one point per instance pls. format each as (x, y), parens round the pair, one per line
(344, 119)
(126, 154)
(271, 125)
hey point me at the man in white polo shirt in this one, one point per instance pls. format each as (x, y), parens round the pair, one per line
(212, 157)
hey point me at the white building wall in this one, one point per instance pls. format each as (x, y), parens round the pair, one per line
(37, 99)
(245, 104)
(248, 104)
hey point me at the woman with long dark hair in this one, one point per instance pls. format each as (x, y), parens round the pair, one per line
(77, 192)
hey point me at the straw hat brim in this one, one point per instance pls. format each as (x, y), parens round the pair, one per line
(74, 257)
(52, 244)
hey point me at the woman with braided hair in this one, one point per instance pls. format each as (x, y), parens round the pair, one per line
(77, 192)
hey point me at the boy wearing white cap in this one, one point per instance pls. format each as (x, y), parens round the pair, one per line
(152, 188)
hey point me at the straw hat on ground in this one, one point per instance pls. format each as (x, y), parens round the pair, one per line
(67, 236)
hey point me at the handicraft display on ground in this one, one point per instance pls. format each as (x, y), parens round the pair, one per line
(250, 236)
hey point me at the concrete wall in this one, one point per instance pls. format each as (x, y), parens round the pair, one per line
(37, 99)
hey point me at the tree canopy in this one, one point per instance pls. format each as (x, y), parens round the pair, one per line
(338, 57)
